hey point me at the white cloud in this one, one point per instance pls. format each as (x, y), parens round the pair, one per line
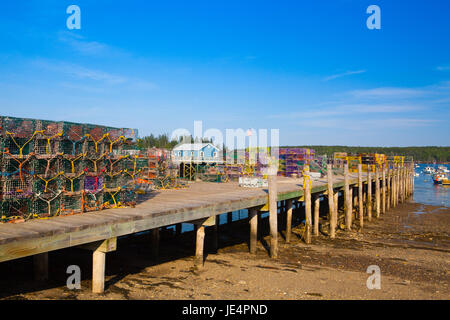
(81, 45)
(347, 73)
(388, 92)
(443, 68)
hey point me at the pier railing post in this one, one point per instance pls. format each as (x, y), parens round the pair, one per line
(369, 194)
(360, 197)
(347, 200)
(273, 212)
(253, 219)
(331, 201)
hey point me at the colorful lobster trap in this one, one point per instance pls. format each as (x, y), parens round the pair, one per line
(57, 168)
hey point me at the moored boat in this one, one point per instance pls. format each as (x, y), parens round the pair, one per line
(439, 177)
(429, 170)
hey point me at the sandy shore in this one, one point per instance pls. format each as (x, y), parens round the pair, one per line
(410, 244)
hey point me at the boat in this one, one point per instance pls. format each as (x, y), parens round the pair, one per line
(429, 170)
(416, 174)
(443, 169)
(439, 177)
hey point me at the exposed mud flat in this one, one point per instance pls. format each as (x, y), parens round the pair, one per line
(410, 244)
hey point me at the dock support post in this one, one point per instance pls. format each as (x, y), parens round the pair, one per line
(273, 214)
(229, 217)
(253, 220)
(350, 201)
(308, 219)
(336, 207)
(316, 214)
(155, 243)
(40, 265)
(347, 200)
(388, 188)
(331, 201)
(360, 197)
(178, 229)
(98, 271)
(199, 245)
(383, 188)
(100, 248)
(369, 193)
(377, 191)
(395, 186)
(289, 207)
(400, 184)
(215, 239)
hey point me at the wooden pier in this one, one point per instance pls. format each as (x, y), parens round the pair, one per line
(200, 204)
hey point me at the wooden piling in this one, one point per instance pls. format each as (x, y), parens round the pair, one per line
(289, 209)
(350, 202)
(308, 219)
(155, 243)
(336, 207)
(395, 186)
(98, 271)
(377, 191)
(316, 214)
(40, 265)
(369, 194)
(199, 246)
(331, 201)
(347, 200)
(388, 188)
(253, 220)
(273, 214)
(99, 250)
(178, 228)
(383, 188)
(229, 217)
(215, 238)
(360, 196)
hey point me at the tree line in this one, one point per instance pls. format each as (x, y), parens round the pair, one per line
(419, 154)
(164, 141)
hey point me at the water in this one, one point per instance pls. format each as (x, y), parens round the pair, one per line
(426, 192)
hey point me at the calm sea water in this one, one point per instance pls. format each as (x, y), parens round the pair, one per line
(427, 192)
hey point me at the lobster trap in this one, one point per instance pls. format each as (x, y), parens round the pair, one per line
(15, 209)
(71, 204)
(46, 205)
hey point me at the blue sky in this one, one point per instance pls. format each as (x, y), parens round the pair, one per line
(309, 68)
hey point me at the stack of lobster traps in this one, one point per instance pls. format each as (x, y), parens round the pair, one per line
(368, 161)
(158, 171)
(59, 168)
(293, 160)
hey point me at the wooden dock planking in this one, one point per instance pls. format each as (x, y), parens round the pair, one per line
(167, 207)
